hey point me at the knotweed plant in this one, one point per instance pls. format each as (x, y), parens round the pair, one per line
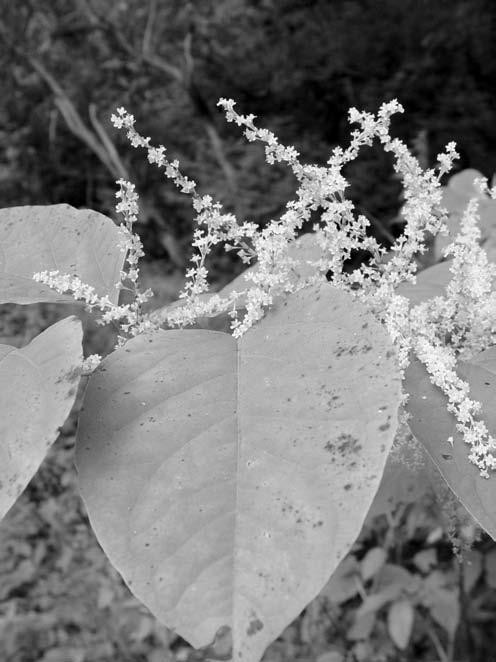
(437, 332)
(195, 448)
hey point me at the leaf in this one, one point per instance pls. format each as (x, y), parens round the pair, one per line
(395, 576)
(362, 626)
(456, 196)
(83, 243)
(432, 425)
(431, 282)
(376, 601)
(403, 481)
(426, 559)
(330, 656)
(344, 582)
(38, 385)
(372, 562)
(462, 184)
(400, 622)
(226, 480)
(442, 601)
(445, 610)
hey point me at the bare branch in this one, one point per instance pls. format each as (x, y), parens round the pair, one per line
(107, 143)
(73, 119)
(109, 27)
(189, 63)
(150, 21)
(218, 149)
(162, 65)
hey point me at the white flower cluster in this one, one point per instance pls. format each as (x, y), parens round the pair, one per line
(90, 363)
(485, 189)
(438, 331)
(129, 316)
(73, 285)
(213, 227)
(131, 245)
(459, 325)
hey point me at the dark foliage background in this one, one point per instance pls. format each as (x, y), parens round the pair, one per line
(298, 65)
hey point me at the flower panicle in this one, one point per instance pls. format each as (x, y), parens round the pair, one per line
(213, 226)
(438, 331)
(457, 326)
(128, 316)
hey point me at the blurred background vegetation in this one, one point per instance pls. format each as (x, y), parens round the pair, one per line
(298, 65)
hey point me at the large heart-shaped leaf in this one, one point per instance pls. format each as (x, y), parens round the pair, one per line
(81, 243)
(432, 425)
(224, 479)
(38, 385)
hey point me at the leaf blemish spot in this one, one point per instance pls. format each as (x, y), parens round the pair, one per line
(348, 444)
(255, 626)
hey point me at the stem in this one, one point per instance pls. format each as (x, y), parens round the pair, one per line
(443, 657)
